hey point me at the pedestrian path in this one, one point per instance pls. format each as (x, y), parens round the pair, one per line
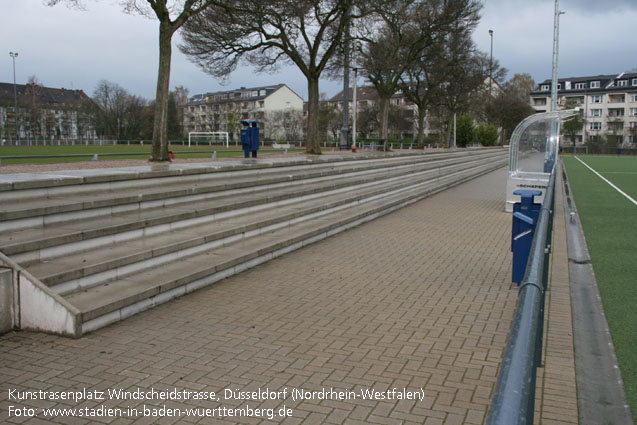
(402, 320)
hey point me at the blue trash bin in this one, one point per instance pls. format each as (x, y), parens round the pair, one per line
(525, 217)
(250, 138)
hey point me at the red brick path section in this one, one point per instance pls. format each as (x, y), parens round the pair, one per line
(420, 300)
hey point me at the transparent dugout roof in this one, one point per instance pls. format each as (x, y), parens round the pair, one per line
(535, 143)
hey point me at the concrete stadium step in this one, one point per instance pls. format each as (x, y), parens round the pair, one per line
(51, 200)
(118, 299)
(30, 244)
(89, 267)
(105, 266)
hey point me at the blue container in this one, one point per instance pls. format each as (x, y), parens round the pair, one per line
(525, 217)
(250, 138)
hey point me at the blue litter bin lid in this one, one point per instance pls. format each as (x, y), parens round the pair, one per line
(528, 192)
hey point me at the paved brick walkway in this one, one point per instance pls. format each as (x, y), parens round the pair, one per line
(419, 300)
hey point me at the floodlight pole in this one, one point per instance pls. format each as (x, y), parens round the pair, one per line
(556, 36)
(554, 141)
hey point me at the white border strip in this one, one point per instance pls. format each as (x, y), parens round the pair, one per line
(607, 181)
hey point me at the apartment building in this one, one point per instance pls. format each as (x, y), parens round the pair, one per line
(45, 115)
(224, 110)
(609, 104)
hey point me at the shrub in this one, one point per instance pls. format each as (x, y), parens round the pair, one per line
(465, 130)
(487, 134)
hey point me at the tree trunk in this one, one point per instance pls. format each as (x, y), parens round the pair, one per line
(384, 121)
(422, 112)
(313, 143)
(160, 125)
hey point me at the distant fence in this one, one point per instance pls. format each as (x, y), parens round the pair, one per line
(80, 142)
(98, 156)
(599, 150)
(514, 399)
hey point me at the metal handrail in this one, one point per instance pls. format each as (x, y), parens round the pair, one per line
(514, 398)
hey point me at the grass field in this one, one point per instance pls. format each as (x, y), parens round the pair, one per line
(144, 152)
(609, 220)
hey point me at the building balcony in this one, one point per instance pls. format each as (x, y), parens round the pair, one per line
(616, 99)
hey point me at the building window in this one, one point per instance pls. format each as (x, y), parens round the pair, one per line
(261, 92)
(633, 112)
(634, 81)
(545, 87)
(559, 86)
(633, 124)
(633, 97)
(539, 101)
(622, 83)
(580, 86)
(594, 84)
(596, 99)
(596, 126)
(596, 112)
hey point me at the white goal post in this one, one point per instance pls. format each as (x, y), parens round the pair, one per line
(208, 138)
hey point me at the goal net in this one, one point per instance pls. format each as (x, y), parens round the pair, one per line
(208, 138)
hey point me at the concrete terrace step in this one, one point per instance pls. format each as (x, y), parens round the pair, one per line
(135, 292)
(26, 245)
(88, 267)
(54, 200)
(103, 265)
(74, 197)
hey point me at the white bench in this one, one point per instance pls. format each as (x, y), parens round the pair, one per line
(281, 146)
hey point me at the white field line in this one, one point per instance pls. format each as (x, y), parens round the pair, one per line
(607, 181)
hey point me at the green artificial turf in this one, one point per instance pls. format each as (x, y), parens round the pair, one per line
(610, 226)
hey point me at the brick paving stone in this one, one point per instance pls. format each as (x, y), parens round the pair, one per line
(420, 300)
(556, 390)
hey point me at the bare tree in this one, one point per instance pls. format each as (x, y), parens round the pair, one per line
(112, 101)
(465, 70)
(162, 10)
(511, 105)
(412, 33)
(520, 86)
(384, 59)
(285, 124)
(181, 99)
(265, 33)
(329, 121)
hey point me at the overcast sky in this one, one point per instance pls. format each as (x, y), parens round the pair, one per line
(76, 49)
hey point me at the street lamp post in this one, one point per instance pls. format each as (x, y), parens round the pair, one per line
(491, 63)
(15, 100)
(344, 142)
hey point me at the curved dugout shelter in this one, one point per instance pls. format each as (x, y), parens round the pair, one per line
(532, 153)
